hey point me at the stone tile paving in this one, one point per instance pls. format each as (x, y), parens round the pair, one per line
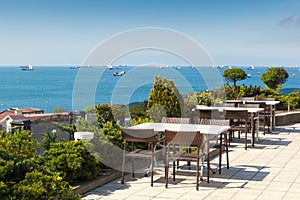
(271, 170)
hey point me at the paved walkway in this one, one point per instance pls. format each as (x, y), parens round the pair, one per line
(271, 170)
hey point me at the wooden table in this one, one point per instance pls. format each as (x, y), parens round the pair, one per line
(271, 104)
(210, 131)
(254, 112)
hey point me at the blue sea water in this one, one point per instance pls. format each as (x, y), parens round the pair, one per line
(49, 87)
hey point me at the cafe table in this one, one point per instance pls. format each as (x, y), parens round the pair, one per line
(254, 113)
(271, 104)
(210, 131)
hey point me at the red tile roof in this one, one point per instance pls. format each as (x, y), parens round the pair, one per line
(11, 113)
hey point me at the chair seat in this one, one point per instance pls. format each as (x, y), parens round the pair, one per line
(189, 157)
(139, 153)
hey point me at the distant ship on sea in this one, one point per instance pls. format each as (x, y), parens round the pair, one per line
(27, 67)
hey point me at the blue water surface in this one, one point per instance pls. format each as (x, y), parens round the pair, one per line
(49, 87)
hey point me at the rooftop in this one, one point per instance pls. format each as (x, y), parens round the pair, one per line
(268, 171)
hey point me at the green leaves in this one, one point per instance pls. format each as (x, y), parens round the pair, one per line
(274, 77)
(164, 100)
(72, 160)
(24, 175)
(234, 75)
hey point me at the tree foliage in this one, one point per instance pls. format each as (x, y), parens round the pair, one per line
(72, 160)
(104, 114)
(24, 175)
(234, 75)
(164, 100)
(107, 113)
(274, 77)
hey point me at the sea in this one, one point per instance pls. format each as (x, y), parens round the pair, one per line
(49, 87)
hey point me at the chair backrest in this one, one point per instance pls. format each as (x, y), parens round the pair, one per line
(187, 138)
(175, 120)
(139, 135)
(224, 105)
(260, 104)
(246, 98)
(236, 114)
(209, 114)
(265, 99)
(248, 105)
(218, 122)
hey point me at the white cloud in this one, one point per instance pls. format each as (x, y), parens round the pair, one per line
(292, 21)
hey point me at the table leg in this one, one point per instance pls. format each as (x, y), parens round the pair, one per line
(252, 129)
(257, 127)
(220, 153)
(208, 164)
(273, 108)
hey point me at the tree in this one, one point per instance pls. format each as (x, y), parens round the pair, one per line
(274, 77)
(234, 75)
(104, 114)
(24, 174)
(164, 100)
(58, 109)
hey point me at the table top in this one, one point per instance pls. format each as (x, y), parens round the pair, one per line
(221, 109)
(205, 129)
(272, 103)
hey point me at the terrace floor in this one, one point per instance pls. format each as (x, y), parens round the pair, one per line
(271, 170)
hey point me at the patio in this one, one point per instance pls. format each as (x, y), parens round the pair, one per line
(268, 171)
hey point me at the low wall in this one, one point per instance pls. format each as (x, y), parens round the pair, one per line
(287, 118)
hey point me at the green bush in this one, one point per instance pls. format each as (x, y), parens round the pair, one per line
(72, 160)
(104, 114)
(164, 100)
(24, 175)
(113, 133)
(139, 120)
(106, 146)
(38, 185)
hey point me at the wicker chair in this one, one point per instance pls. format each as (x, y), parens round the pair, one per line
(264, 115)
(139, 136)
(192, 139)
(268, 110)
(219, 122)
(246, 98)
(224, 105)
(243, 115)
(175, 120)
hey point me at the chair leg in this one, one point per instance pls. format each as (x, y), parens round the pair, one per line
(167, 167)
(220, 153)
(246, 139)
(132, 161)
(132, 165)
(123, 164)
(208, 168)
(197, 170)
(226, 146)
(152, 163)
(174, 170)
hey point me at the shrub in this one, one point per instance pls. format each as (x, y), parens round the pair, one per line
(274, 77)
(102, 146)
(104, 114)
(164, 100)
(72, 160)
(24, 175)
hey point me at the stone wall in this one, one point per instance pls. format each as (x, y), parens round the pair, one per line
(287, 118)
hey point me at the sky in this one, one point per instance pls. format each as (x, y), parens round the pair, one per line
(233, 32)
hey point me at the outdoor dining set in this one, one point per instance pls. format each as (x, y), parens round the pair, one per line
(190, 140)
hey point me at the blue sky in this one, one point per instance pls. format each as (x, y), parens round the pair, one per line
(233, 32)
